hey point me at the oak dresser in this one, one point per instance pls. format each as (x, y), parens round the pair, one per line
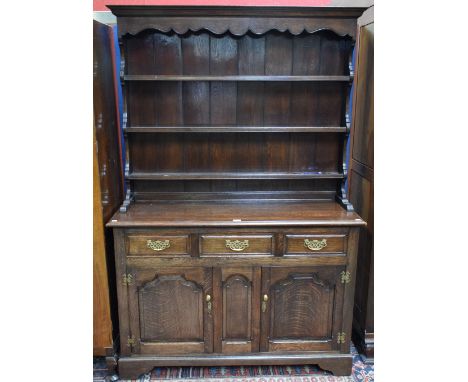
(236, 243)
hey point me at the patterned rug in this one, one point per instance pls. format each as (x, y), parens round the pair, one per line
(302, 373)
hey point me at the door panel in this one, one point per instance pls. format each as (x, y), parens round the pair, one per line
(303, 310)
(294, 303)
(165, 298)
(168, 310)
(237, 306)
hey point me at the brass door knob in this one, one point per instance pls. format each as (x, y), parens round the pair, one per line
(264, 303)
(208, 303)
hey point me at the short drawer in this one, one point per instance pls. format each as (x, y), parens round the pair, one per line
(233, 245)
(158, 245)
(313, 244)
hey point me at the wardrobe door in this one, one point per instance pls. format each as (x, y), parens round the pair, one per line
(302, 309)
(170, 310)
(237, 309)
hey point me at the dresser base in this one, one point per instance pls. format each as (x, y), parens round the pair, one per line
(338, 364)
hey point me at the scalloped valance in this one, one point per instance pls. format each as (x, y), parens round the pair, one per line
(236, 20)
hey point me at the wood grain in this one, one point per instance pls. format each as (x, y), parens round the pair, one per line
(295, 244)
(239, 306)
(107, 189)
(102, 325)
(179, 245)
(238, 20)
(304, 308)
(236, 129)
(361, 184)
(236, 132)
(234, 78)
(236, 214)
(168, 311)
(231, 175)
(215, 245)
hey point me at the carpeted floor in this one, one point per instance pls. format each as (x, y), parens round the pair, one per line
(302, 373)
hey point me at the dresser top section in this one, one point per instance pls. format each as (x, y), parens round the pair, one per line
(235, 214)
(237, 20)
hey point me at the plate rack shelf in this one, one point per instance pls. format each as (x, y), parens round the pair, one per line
(201, 107)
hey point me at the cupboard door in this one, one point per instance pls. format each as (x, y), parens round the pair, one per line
(169, 312)
(237, 309)
(302, 308)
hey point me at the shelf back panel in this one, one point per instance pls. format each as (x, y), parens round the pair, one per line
(175, 103)
(235, 189)
(203, 53)
(166, 166)
(235, 104)
(234, 152)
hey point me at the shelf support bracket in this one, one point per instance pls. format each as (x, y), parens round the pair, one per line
(342, 194)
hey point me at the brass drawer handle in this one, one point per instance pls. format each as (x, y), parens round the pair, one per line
(315, 245)
(208, 303)
(158, 245)
(237, 245)
(264, 303)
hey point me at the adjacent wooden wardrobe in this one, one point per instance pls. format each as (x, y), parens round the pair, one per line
(107, 189)
(236, 243)
(361, 184)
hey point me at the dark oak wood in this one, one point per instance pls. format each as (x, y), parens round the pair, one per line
(237, 20)
(211, 11)
(232, 175)
(361, 184)
(236, 243)
(177, 245)
(309, 303)
(246, 195)
(236, 261)
(237, 298)
(338, 364)
(222, 245)
(106, 123)
(143, 77)
(122, 293)
(235, 129)
(296, 244)
(168, 313)
(292, 110)
(303, 308)
(222, 214)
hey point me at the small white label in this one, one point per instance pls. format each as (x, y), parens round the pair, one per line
(237, 220)
(114, 220)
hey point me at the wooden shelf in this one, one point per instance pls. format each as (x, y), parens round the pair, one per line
(323, 78)
(232, 175)
(235, 213)
(236, 129)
